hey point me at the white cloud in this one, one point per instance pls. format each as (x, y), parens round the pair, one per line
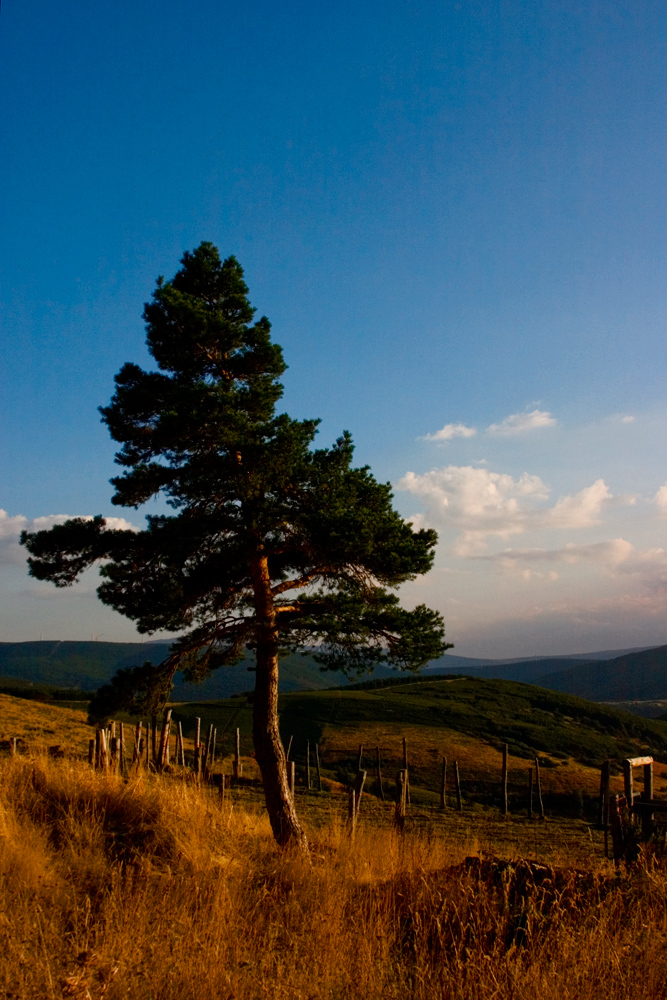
(582, 509)
(12, 552)
(450, 431)
(627, 419)
(518, 423)
(483, 504)
(660, 500)
(617, 556)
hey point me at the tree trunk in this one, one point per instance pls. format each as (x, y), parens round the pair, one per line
(269, 749)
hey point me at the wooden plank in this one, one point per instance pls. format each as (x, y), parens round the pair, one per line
(653, 805)
(638, 761)
(457, 779)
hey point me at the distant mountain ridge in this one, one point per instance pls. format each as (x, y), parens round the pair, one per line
(88, 665)
(638, 676)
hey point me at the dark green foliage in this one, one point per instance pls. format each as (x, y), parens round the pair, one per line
(244, 484)
(141, 691)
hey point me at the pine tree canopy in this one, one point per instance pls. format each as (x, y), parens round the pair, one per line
(265, 527)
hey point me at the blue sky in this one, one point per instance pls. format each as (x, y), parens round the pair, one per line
(452, 213)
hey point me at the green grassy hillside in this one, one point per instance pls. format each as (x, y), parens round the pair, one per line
(462, 718)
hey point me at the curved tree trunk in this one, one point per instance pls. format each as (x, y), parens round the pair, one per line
(269, 749)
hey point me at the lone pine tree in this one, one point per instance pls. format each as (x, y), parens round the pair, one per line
(272, 545)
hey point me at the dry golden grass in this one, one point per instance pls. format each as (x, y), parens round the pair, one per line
(38, 725)
(477, 760)
(150, 889)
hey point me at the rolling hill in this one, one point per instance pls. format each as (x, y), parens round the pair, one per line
(465, 719)
(640, 676)
(87, 665)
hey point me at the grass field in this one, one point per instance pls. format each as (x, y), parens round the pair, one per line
(151, 888)
(466, 720)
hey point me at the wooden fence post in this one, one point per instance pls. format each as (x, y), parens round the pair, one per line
(13, 746)
(627, 785)
(647, 817)
(539, 787)
(405, 768)
(121, 750)
(355, 800)
(215, 739)
(379, 772)
(457, 779)
(154, 737)
(359, 757)
(137, 743)
(317, 764)
(104, 750)
(289, 747)
(238, 767)
(504, 779)
(443, 784)
(181, 744)
(530, 793)
(206, 759)
(605, 809)
(91, 753)
(197, 758)
(617, 836)
(164, 736)
(291, 776)
(308, 764)
(401, 800)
